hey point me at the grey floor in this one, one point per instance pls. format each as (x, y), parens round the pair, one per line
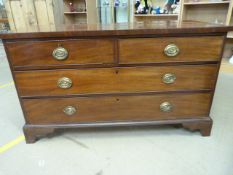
(128, 151)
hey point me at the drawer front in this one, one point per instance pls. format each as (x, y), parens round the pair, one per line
(40, 53)
(152, 50)
(115, 80)
(116, 108)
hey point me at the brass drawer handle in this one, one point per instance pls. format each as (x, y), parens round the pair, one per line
(64, 83)
(169, 78)
(166, 107)
(60, 53)
(171, 50)
(69, 110)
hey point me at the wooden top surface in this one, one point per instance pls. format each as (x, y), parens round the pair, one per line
(122, 29)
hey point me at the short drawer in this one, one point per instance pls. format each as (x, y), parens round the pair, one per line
(170, 49)
(60, 52)
(116, 108)
(116, 80)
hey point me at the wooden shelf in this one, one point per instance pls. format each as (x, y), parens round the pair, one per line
(79, 15)
(230, 34)
(226, 66)
(73, 13)
(206, 11)
(206, 2)
(155, 15)
(3, 20)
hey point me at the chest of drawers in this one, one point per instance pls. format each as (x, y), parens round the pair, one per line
(116, 75)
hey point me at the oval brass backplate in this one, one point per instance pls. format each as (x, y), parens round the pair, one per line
(171, 50)
(166, 107)
(64, 83)
(60, 53)
(69, 110)
(169, 78)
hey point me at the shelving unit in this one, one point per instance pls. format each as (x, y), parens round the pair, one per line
(228, 51)
(206, 11)
(226, 66)
(154, 17)
(79, 15)
(206, 2)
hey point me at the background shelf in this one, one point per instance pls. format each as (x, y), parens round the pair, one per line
(78, 16)
(71, 13)
(206, 2)
(156, 15)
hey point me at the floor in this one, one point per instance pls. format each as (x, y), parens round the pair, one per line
(129, 151)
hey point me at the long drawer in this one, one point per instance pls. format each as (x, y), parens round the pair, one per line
(116, 108)
(60, 52)
(170, 49)
(116, 80)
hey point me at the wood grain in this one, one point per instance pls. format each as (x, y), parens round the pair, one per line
(151, 50)
(116, 80)
(203, 126)
(116, 108)
(39, 53)
(117, 72)
(32, 134)
(158, 28)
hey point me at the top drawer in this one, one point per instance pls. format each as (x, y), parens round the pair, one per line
(170, 49)
(60, 52)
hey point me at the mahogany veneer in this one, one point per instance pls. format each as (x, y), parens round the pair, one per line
(116, 75)
(116, 80)
(38, 53)
(151, 49)
(116, 108)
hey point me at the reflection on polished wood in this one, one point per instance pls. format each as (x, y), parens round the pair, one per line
(155, 27)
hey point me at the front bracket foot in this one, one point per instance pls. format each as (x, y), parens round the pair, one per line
(203, 126)
(32, 134)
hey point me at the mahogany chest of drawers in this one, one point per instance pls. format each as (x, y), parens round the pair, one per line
(116, 75)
